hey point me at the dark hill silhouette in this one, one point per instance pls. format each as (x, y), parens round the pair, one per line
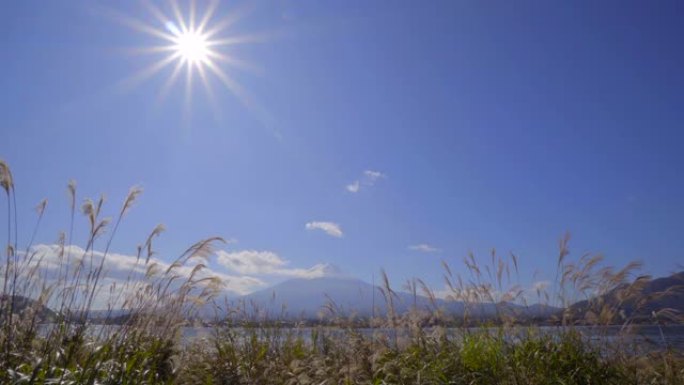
(643, 301)
(23, 305)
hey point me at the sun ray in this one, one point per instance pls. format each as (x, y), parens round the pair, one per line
(236, 63)
(228, 21)
(203, 76)
(147, 72)
(242, 39)
(140, 26)
(191, 16)
(148, 50)
(170, 81)
(231, 84)
(179, 16)
(188, 88)
(210, 91)
(207, 15)
(155, 11)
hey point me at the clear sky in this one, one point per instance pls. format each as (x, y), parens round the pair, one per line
(365, 135)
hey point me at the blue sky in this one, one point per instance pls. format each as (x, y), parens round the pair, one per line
(483, 124)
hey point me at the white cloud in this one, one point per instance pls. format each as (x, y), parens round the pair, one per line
(353, 187)
(318, 270)
(251, 261)
(240, 284)
(118, 267)
(269, 263)
(424, 248)
(368, 179)
(330, 228)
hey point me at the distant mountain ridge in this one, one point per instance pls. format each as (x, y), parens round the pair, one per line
(642, 301)
(309, 298)
(303, 298)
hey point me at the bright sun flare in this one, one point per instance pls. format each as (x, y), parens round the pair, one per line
(192, 47)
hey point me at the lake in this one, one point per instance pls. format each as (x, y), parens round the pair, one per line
(641, 338)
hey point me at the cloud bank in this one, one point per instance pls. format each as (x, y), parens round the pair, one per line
(118, 267)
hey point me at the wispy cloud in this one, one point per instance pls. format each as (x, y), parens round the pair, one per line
(368, 179)
(372, 176)
(330, 228)
(424, 248)
(269, 263)
(353, 187)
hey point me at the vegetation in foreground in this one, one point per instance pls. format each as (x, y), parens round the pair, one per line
(147, 347)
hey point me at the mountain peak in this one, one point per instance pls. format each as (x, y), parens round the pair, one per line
(322, 270)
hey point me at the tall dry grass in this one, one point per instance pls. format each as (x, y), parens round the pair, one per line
(149, 305)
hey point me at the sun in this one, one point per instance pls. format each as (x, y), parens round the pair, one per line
(192, 46)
